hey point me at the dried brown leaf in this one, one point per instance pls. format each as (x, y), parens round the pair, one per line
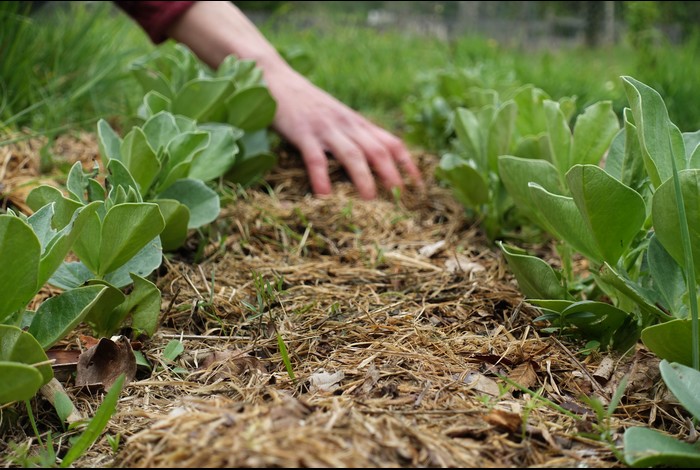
(103, 363)
(524, 375)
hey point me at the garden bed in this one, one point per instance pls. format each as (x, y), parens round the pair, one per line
(400, 321)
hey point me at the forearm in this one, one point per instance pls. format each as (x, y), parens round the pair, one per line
(215, 30)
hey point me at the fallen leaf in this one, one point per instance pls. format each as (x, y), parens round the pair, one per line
(103, 363)
(506, 420)
(323, 381)
(88, 341)
(524, 375)
(481, 383)
(462, 264)
(429, 250)
(65, 362)
(231, 363)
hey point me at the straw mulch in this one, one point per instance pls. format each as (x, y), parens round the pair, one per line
(400, 322)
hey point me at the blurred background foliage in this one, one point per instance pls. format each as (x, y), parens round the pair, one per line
(377, 56)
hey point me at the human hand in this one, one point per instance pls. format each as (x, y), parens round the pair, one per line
(317, 124)
(309, 118)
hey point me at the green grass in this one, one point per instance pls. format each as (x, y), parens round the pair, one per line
(83, 75)
(64, 66)
(376, 72)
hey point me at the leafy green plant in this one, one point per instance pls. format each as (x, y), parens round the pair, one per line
(174, 80)
(118, 246)
(623, 219)
(529, 125)
(165, 161)
(31, 251)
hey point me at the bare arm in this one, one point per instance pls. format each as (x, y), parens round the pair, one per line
(308, 117)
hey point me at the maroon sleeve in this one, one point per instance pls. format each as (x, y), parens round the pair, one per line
(155, 17)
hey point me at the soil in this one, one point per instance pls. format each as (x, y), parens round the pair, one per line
(337, 332)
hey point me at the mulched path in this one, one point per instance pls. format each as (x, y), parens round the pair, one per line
(400, 322)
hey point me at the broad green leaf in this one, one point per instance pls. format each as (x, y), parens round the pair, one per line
(251, 108)
(516, 173)
(249, 169)
(176, 216)
(185, 124)
(19, 382)
(671, 340)
(151, 80)
(20, 252)
(127, 228)
(140, 159)
(186, 146)
(19, 346)
(692, 149)
(500, 133)
(243, 72)
(96, 192)
(142, 263)
(154, 103)
(40, 222)
(160, 129)
(667, 223)
(201, 98)
(625, 162)
(562, 215)
(559, 136)
(567, 105)
(467, 127)
(632, 290)
(70, 275)
(63, 210)
(59, 315)
(108, 141)
(684, 383)
(143, 305)
(181, 151)
(552, 305)
(100, 316)
(120, 178)
(298, 58)
(61, 244)
(612, 212)
(202, 201)
(593, 132)
(466, 182)
(531, 119)
(485, 115)
(219, 156)
(645, 448)
(534, 147)
(253, 144)
(77, 183)
(669, 280)
(87, 245)
(177, 172)
(596, 320)
(660, 140)
(536, 278)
